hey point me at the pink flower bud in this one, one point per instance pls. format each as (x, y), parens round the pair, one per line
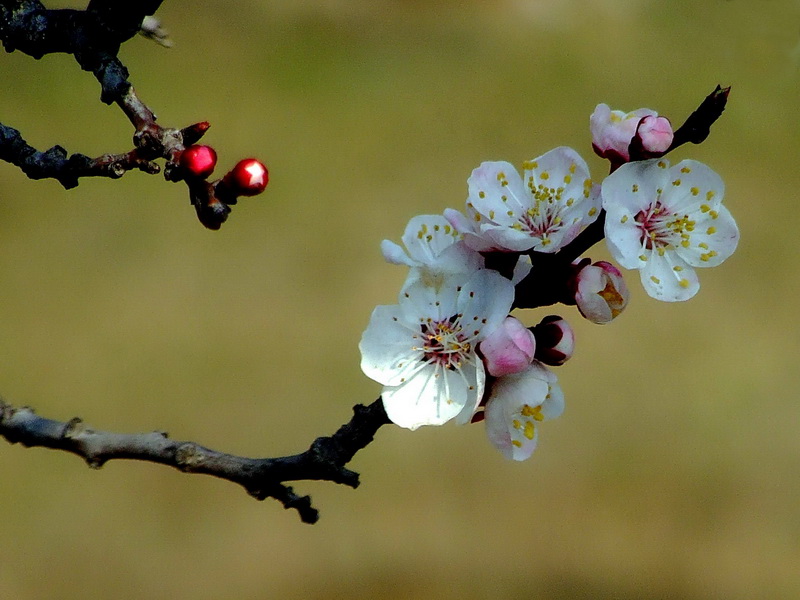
(508, 349)
(555, 341)
(601, 293)
(613, 131)
(655, 134)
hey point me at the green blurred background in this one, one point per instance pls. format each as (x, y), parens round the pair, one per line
(673, 472)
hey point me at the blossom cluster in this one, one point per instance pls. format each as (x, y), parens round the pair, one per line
(450, 349)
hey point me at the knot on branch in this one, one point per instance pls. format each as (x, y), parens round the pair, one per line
(189, 456)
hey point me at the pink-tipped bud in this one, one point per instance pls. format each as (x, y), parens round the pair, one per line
(248, 178)
(198, 161)
(555, 341)
(655, 134)
(601, 293)
(508, 349)
(613, 131)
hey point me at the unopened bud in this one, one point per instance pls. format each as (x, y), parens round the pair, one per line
(508, 349)
(614, 130)
(601, 293)
(555, 341)
(198, 161)
(248, 178)
(655, 134)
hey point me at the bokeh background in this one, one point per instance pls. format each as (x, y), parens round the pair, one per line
(674, 472)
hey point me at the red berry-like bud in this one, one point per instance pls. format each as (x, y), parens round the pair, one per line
(248, 178)
(198, 160)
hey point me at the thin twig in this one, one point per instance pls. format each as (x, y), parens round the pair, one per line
(93, 36)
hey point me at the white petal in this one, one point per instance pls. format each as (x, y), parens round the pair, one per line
(553, 405)
(498, 430)
(495, 188)
(669, 277)
(556, 164)
(472, 403)
(468, 228)
(430, 295)
(624, 237)
(387, 347)
(509, 431)
(431, 397)
(507, 238)
(634, 185)
(713, 240)
(394, 254)
(689, 185)
(485, 301)
(522, 269)
(427, 236)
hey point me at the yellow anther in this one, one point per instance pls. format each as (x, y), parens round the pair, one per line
(711, 230)
(686, 170)
(481, 194)
(635, 188)
(662, 164)
(544, 175)
(567, 178)
(710, 194)
(655, 279)
(643, 257)
(592, 211)
(676, 183)
(624, 219)
(532, 411)
(695, 191)
(530, 431)
(684, 283)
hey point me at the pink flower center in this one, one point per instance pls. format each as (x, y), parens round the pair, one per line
(663, 228)
(444, 343)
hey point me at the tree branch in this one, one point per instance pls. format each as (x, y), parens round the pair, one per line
(325, 459)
